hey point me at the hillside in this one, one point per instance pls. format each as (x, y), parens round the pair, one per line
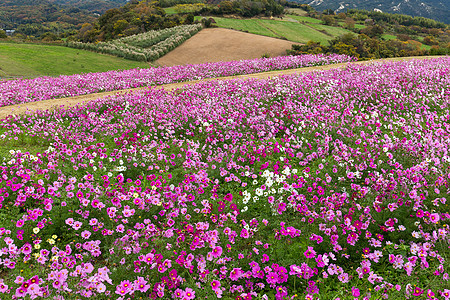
(433, 9)
(291, 27)
(36, 17)
(219, 44)
(29, 60)
(99, 6)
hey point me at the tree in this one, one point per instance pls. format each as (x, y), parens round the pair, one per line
(373, 31)
(342, 16)
(226, 7)
(403, 37)
(349, 23)
(327, 20)
(430, 40)
(189, 19)
(49, 36)
(3, 34)
(120, 26)
(341, 48)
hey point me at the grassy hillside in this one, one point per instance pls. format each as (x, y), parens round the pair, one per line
(30, 60)
(293, 28)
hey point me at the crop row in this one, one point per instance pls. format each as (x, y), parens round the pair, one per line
(148, 46)
(332, 184)
(43, 88)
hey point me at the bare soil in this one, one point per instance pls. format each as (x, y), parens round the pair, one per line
(73, 101)
(220, 44)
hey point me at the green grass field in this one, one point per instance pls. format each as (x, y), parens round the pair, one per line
(297, 32)
(297, 11)
(360, 26)
(248, 25)
(170, 10)
(304, 19)
(293, 28)
(388, 37)
(32, 60)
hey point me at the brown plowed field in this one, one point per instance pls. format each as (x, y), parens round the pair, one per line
(220, 44)
(73, 101)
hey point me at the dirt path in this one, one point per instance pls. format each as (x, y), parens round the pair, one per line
(73, 101)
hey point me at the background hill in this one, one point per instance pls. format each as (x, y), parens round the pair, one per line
(98, 6)
(36, 17)
(433, 9)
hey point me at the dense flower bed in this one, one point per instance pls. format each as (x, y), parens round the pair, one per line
(43, 88)
(330, 185)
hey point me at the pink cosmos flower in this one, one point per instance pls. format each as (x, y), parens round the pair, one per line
(244, 233)
(3, 286)
(417, 291)
(189, 294)
(215, 285)
(77, 225)
(20, 223)
(179, 293)
(355, 292)
(434, 218)
(235, 274)
(217, 251)
(140, 284)
(310, 253)
(85, 234)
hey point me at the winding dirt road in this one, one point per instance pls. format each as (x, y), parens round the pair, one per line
(73, 101)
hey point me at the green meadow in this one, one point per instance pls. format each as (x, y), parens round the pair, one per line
(32, 60)
(294, 28)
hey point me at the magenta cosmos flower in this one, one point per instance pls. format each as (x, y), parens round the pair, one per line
(310, 253)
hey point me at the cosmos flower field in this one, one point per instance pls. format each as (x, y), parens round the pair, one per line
(324, 185)
(43, 88)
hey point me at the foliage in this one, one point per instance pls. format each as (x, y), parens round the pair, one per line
(35, 18)
(365, 47)
(245, 8)
(132, 18)
(405, 20)
(147, 46)
(170, 3)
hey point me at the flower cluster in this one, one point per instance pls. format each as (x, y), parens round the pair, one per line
(43, 88)
(306, 186)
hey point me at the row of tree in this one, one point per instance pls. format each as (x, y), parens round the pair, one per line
(245, 8)
(365, 47)
(404, 20)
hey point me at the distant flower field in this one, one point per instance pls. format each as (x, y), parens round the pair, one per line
(43, 88)
(332, 184)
